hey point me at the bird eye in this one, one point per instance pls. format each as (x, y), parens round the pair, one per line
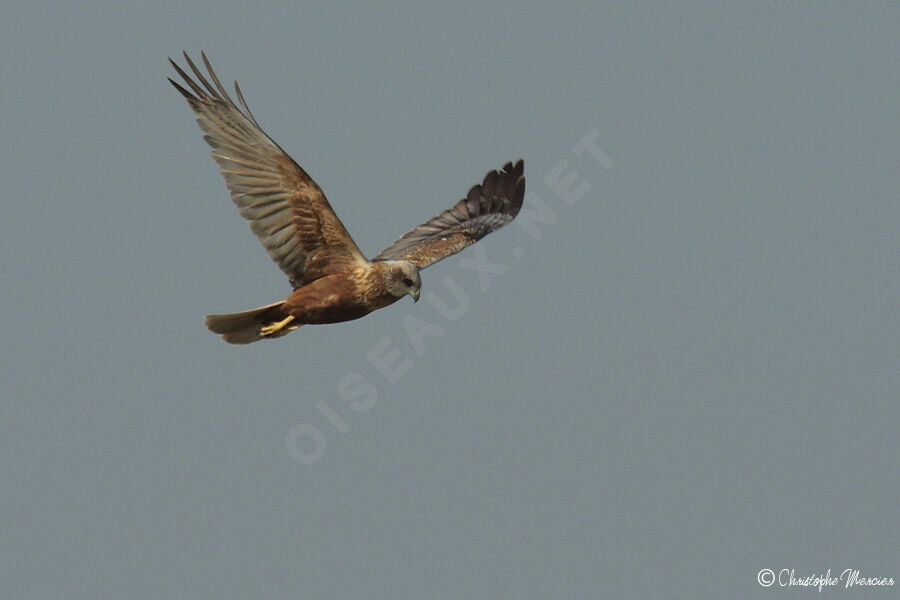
(407, 281)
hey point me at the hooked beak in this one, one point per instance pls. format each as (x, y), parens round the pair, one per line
(415, 295)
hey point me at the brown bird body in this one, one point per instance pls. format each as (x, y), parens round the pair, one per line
(293, 220)
(336, 298)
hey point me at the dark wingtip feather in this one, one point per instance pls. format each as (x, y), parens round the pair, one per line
(215, 79)
(240, 97)
(199, 74)
(517, 181)
(183, 91)
(515, 203)
(187, 79)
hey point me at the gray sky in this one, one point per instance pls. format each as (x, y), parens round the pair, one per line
(684, 376)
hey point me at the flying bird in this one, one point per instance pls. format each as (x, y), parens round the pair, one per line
(332, 280)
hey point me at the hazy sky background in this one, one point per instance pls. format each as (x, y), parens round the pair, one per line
(689, 375)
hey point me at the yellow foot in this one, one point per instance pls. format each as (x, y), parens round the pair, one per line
(276, 329)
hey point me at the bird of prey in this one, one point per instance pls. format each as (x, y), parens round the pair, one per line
(332, 280)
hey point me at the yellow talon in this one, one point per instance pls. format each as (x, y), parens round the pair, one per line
(275, 329)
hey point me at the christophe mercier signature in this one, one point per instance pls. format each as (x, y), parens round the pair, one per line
(848, 578)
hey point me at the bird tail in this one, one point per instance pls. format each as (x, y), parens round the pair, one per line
(248, 326)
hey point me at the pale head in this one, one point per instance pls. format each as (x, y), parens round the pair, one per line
(402, 279)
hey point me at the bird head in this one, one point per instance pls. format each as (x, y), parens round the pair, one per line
(403, 279)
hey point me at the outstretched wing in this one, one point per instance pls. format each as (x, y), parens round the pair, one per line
(486, 208)
(286, 209)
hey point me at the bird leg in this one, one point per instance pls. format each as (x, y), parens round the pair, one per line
(275, 329)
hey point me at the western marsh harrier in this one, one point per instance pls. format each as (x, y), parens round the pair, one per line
(288, 212)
